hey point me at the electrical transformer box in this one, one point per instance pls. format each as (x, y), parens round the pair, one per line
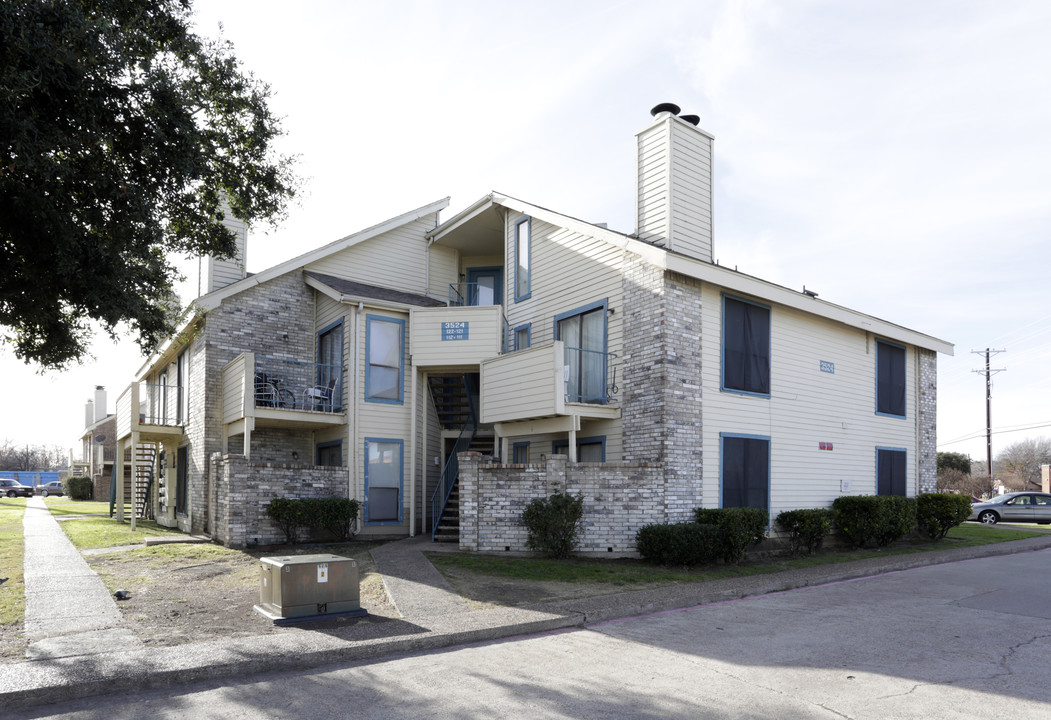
(308, 586)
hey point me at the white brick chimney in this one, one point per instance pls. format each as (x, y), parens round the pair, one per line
(674, 184)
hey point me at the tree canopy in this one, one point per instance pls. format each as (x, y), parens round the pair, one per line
(954, 461)
(121, 134)
(1023, 460)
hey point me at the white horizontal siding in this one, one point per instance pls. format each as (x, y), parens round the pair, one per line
(234, 389)
(524, 384)
(443, 270)
(484, 334)
(806, 407)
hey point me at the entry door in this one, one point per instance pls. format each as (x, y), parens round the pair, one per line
(182, 468)
(584, 339)
(485, 286)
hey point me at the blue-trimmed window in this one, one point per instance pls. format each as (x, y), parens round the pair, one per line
(589, 449)
(385, 359)
(520, 453)
(745, 470)
(329, 454)
(523, 240)
(583, 335)
(384, 474)
(746, 347)
(890, 379)
(485, 285)
(330, 362)
(523, 335)
(891, 471)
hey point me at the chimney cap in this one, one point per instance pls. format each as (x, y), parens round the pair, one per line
(694, 120)
(665, 108)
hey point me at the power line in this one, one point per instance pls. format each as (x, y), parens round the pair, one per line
(989, 403)
(979, 433)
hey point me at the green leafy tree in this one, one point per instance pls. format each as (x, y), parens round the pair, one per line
(954, 461)
(121, 131)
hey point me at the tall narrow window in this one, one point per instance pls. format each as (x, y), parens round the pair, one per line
(521, 453)
(383, 476)
(583, 334)
(385, 350)
(330, 365)
(890, 379)
(183, 372)
(182, 479)
(522, 333)
(523, 231)
(746, 347)
(745, 471)
(891, 471)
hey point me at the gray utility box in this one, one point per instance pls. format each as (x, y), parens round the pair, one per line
(302, 586)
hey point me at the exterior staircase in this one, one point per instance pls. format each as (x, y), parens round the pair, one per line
(145, 471)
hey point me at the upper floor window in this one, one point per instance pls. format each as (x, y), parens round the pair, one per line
(522, 241)
(385, 353)
(890, 379)
(583, 335)
(746, 347)
(522, 333)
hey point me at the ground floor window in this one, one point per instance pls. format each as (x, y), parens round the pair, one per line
(745, 472)
(384, 460)
(520, 452)
(589, 449)
(329, 454)
(891, 471)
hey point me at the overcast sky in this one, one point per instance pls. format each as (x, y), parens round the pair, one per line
(893, 156)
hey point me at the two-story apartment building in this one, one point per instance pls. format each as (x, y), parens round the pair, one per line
(363, 368)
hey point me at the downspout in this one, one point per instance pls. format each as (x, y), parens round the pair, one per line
(355, 459)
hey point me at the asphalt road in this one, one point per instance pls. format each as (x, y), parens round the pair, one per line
(965, 640)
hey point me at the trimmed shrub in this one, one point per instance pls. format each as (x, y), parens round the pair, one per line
(740, 529)
(77, 488)
(938, 513)
(873, 519)
(679, 545)
(554, 524)
(807, 528)
(337, 517)
(287, 514)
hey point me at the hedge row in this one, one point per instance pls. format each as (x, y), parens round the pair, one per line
(336, 517)
(716, 533)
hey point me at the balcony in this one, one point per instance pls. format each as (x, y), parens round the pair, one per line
(151, 410)
(275, 392)
(548, 381)
(455, 337)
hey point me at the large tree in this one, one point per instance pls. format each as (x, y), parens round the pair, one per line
(1023, 460)
(121, 132)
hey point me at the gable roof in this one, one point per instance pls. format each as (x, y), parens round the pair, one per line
(348, 290)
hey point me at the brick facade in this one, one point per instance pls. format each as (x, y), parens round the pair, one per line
(928, 400)
(241, 490)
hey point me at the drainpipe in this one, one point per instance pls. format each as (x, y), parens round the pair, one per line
(355, 460)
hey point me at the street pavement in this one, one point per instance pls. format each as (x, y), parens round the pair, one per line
(966, 639)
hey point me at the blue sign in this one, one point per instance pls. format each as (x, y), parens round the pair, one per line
(454, 331)
(828, 367)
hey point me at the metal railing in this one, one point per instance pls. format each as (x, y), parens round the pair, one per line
(462, 294)
(590, 376)
(160, 404)
(451, 471)
(296, 385)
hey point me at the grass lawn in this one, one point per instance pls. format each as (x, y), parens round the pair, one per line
(60, 506)
(628, 573)
(12, 534)
(103, 532)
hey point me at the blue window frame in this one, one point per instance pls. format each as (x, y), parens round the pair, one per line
(523, 241)
(384, 359)
(583, 332)
(523, 336)
(329, 454)
(892, 471)
(384, 477)
(890, 379)
(744, 473)
(589, 449)
(746, 347)
(330, 362)
(485, 286)
(520, 453)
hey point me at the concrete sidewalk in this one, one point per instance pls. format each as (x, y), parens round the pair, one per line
(434, 617)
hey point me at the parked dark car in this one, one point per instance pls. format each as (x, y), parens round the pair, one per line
(51, 488)
(1027, 507)
(10, 488)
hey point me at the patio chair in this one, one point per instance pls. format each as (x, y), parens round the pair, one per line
(319, 397)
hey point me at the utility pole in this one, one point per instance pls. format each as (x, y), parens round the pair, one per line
(988, 404)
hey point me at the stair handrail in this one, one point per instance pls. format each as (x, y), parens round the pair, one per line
(451, 471)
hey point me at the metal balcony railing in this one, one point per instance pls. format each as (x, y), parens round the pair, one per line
(590, 376)
(159, 404)
(296, 385)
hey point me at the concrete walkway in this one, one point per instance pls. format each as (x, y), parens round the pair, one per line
(79, 648)
(68, 610)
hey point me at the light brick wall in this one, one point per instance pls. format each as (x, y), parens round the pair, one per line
(243, 489)
(619, 498)
(928, 430)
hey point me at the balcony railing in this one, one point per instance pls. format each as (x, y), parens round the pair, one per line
(160, 405)
(590, 376)
(462, 294)
(296, 385)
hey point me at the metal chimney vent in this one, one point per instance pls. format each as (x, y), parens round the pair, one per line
(665, 108)
(692, 119)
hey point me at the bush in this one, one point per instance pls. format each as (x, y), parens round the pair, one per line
(739, 529)
(938, 513)
(77, 488)
(807, 529)
(554, 523)
(682, 544)
(336, 517)
(875, 519)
